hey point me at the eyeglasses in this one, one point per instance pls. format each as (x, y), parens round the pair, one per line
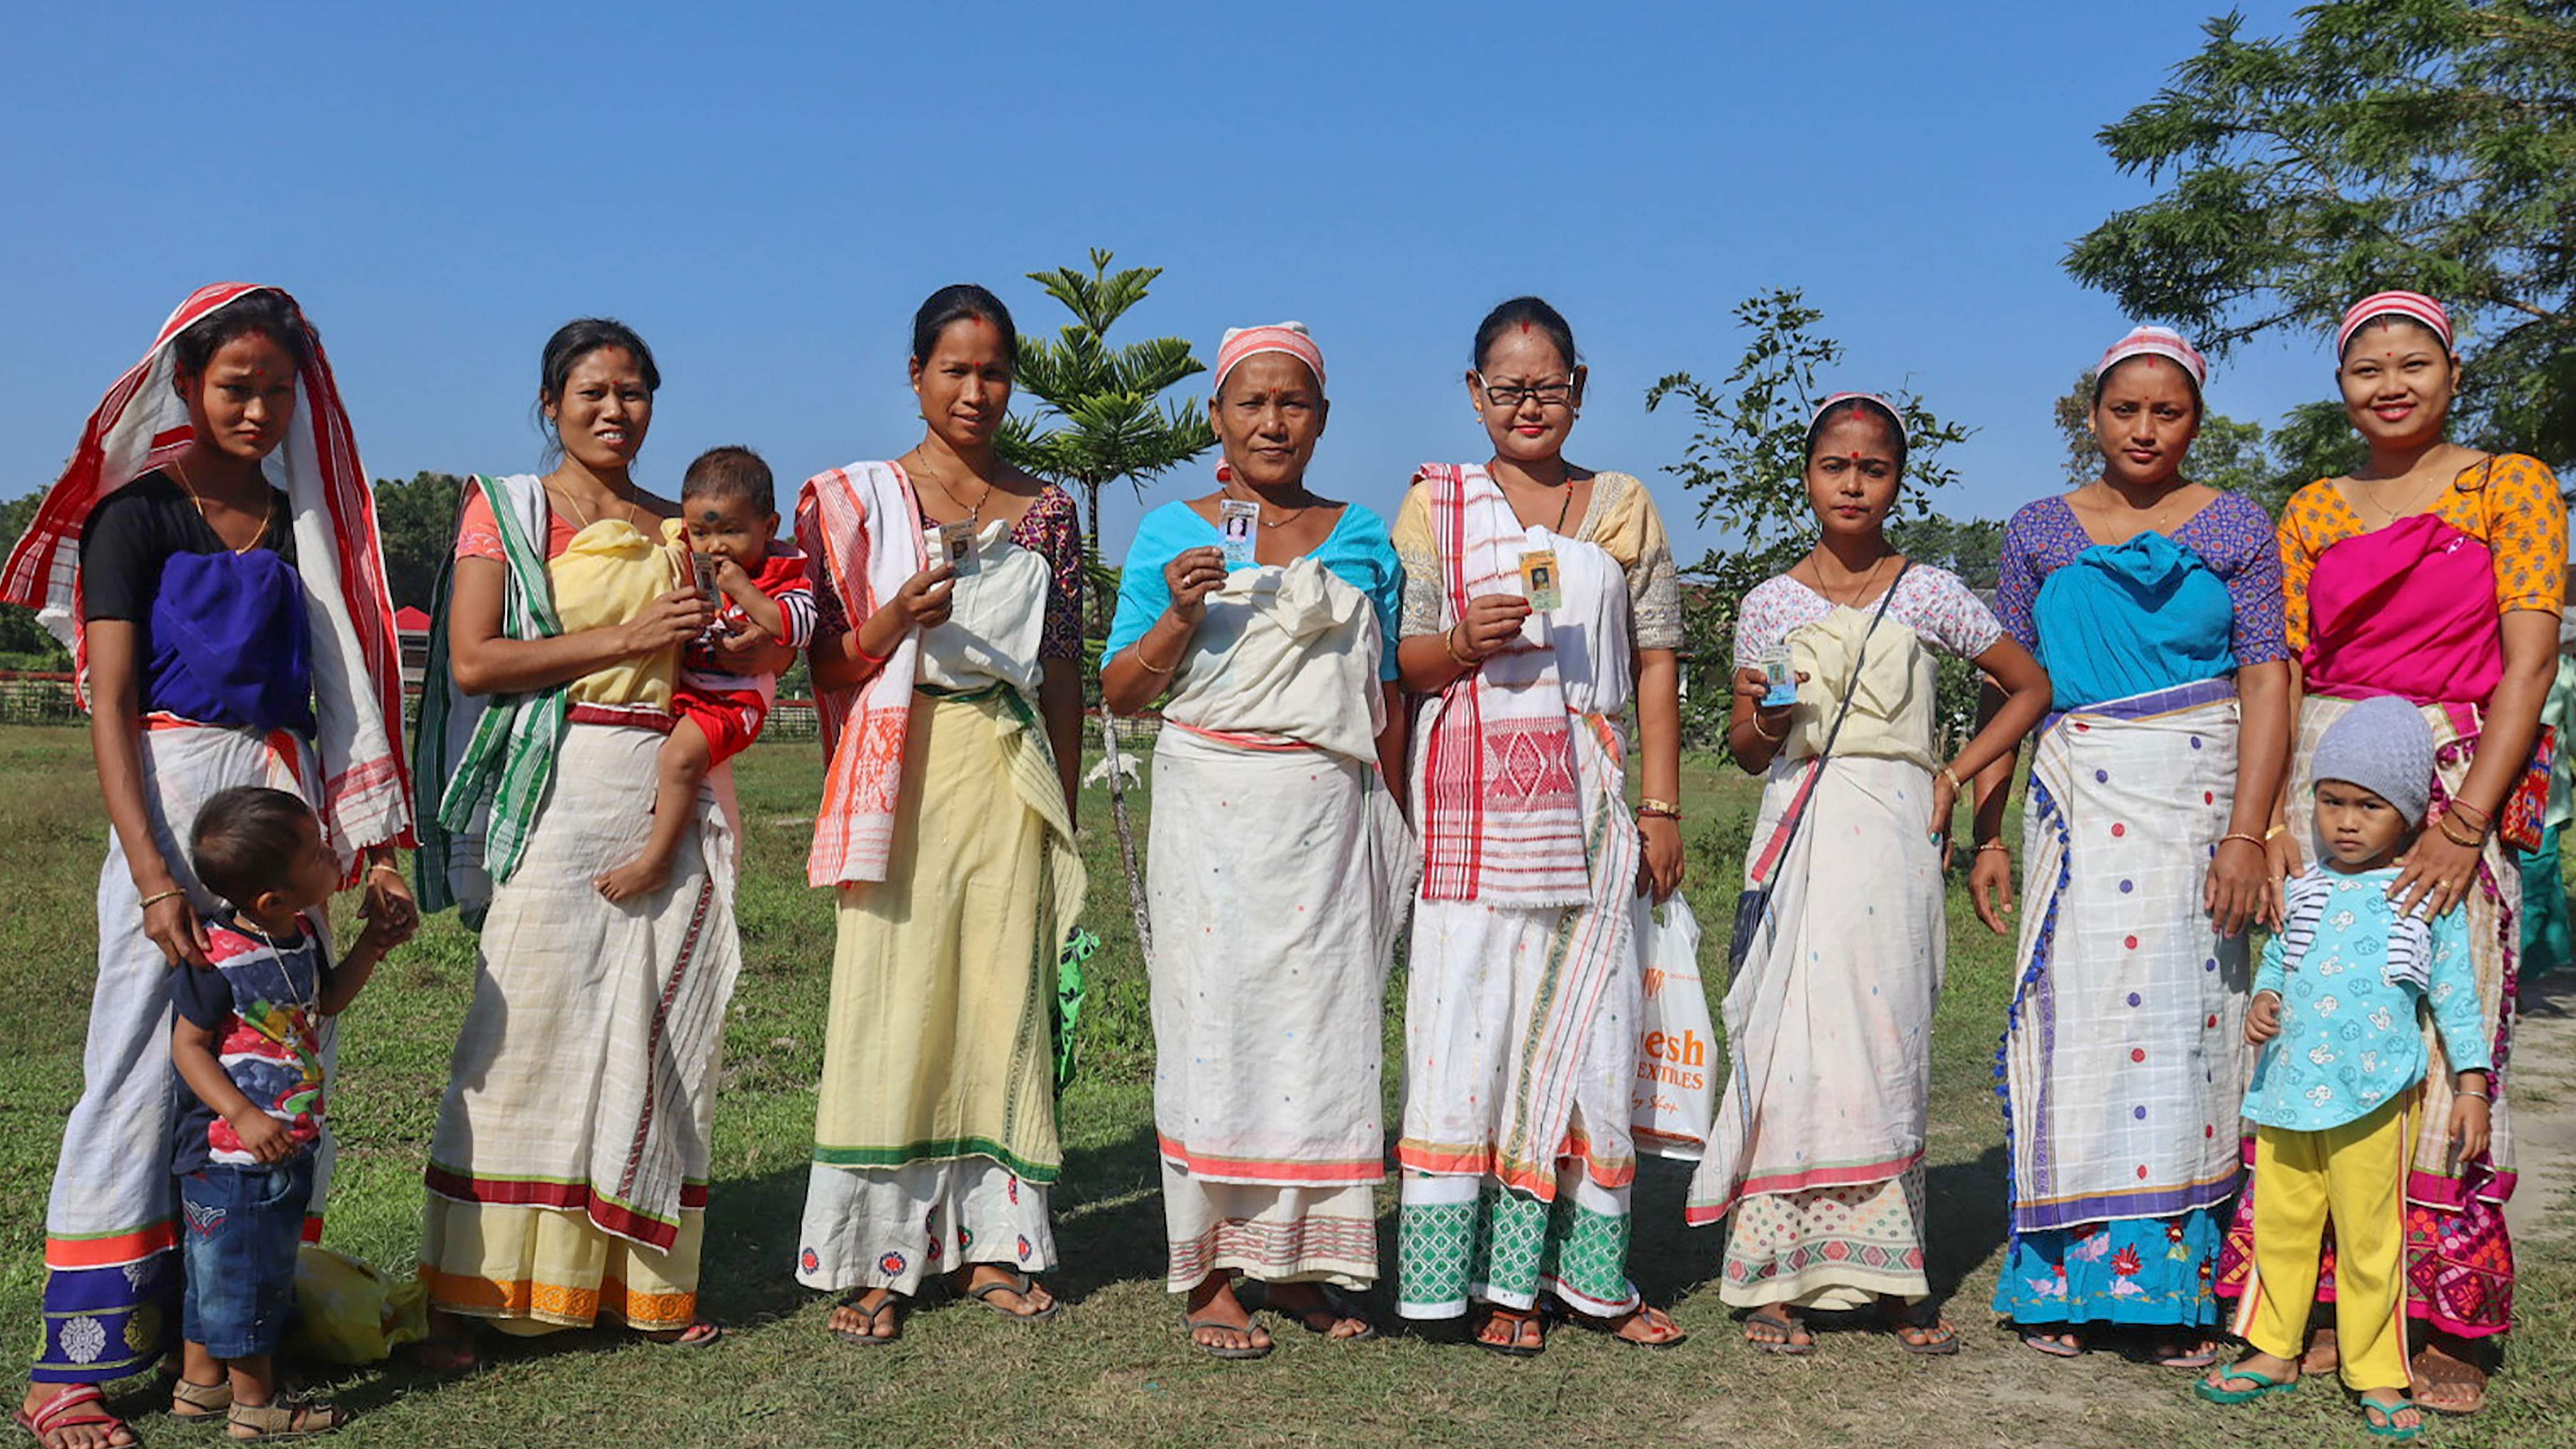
(1509, 397)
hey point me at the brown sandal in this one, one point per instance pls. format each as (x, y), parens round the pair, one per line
(284, 1418)
(194, 1401)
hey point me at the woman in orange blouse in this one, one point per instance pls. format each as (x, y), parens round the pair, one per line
(2435, 572)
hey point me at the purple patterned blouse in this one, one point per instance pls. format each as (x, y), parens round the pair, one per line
(2233, 536)
(1052, 530)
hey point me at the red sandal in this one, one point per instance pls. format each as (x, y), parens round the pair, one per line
(62, 1411)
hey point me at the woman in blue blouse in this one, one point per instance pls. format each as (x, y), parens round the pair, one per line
(1264, 618)
(2155, 604)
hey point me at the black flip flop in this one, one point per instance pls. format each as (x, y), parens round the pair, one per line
(895, 1304)
(1787, 1328)
(1020, 1284)
(1189, 1335)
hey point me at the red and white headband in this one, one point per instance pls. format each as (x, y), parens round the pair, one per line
(1287, 337)
(2161, 342)
(1879, 401)
(2414, 306)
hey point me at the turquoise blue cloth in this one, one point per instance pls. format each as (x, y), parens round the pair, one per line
(2152, 1271)
(2349, 1037)
(1357, 551)
(2133, 618)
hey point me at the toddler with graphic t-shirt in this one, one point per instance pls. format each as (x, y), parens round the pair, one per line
(2335, 1010)
(248, 1048)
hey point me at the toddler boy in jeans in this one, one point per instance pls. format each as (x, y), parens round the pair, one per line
(248, 1047)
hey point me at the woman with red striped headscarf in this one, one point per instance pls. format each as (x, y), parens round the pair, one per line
(211, 557)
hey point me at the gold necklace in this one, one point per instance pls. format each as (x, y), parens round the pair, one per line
(2371, 497)
(974, 515)
(1857, 594)
(179, 471)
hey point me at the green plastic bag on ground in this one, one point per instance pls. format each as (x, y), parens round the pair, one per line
(348, 1313)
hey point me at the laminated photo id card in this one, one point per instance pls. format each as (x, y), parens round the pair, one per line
(1240, 523)
(705, 567)
(1539, 582)
(1784, 680)
(957, 542)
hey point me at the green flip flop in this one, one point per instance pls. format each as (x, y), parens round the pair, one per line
(2385, 1426)
(2263, 1384)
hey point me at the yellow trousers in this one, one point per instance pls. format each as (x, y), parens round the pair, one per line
(2354, 1176)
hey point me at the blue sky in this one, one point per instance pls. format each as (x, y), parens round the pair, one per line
(767, 192)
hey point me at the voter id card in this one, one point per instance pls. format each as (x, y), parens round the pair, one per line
(705, 566)
(1240, 524)
(1783, 680)
(1539, 582)
(957, 542)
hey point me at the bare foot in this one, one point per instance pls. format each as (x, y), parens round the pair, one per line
(641, 876)
(697, 1335)
(998, 1288)
(2180, 1353)
(1316, 1312)
(875, 1314)
(1219, 1319)
(1514, 1331)
(84, 1422)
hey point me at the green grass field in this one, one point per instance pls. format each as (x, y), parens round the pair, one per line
(1113, 1368)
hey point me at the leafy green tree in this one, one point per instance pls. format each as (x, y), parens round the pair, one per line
(2428, 144)
(417, 519)
(1743, 466)
(1101, 420)
(24, 643)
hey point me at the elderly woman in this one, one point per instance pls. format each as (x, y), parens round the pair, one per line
(2155, 605)
(568, 1170)
(229, 631)
(1817, 1157)
(955, 700)
(1520, 1018)
(1263, 616)
(2434, 572)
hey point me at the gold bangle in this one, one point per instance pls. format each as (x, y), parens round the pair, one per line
(1985, 845)
(2275, 833)
(1449, 642)
(387, 866)
(1952, 775)
(1136, 651)
(2474, 842)
(159, 896)
(1766, 734)
(2255, 841)
(1649, 805)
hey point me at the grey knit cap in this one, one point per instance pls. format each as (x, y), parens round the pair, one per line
(2384, 746)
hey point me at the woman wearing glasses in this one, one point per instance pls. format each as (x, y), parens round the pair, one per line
(1520, 1038)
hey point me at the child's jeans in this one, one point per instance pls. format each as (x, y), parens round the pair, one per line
(243, 1225)
(2355, 1176)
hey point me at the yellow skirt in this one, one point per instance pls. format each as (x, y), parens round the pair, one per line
(534, 1270)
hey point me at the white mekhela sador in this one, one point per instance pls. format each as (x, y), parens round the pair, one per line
(1818, 1151)
(1520, 1018)
(1279, 872)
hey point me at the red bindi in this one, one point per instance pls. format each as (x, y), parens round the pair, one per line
(1525, 327)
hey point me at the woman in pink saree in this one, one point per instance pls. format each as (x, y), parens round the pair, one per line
(2434, 572)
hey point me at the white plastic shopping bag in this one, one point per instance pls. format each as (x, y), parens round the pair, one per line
(1674, 1096)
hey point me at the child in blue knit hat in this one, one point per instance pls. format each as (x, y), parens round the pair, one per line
(2333, 1102)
